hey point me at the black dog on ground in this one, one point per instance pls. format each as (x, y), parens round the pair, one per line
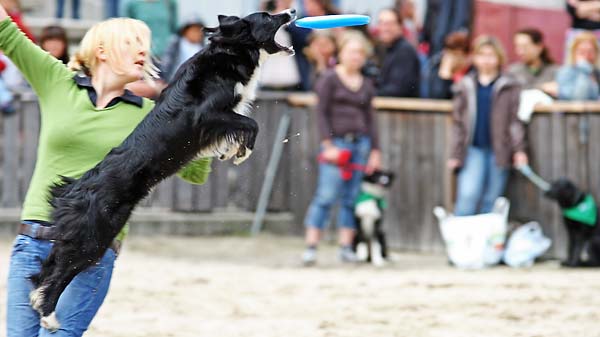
(202, 113)
(369, 241)
(580, 216)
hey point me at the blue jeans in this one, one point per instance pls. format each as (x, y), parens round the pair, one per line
(111, 8)
(480, 182)
(60, 8)
(76, 306)
(331, 188)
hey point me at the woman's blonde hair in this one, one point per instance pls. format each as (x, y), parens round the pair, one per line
(354, 35)
(490, 41)
(579, 39)
(113, 36)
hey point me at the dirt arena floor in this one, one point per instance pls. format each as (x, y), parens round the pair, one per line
(234, 286)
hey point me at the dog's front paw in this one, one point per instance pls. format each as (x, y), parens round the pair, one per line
(36, 298)
(242, 154)
(50, 322)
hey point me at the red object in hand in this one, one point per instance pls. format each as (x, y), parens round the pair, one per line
(344, 162)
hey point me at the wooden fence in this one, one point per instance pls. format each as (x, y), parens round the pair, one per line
(414, 140)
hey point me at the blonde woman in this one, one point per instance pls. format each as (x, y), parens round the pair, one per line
(487, 137)
(346, 122)
(579, 78)
(85, 111)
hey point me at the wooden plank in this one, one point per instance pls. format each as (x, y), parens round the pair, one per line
(558, 170)
(543, 157)
(202, 196)
(279, 199)
(426, 105)
(439, 193)
(298, 193)
(219, 184)
(183, 196)
(10, 185)
(31, 129)
(427, 179)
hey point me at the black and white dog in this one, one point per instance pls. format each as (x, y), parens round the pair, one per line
(580, 216)
(369, 242)
(202, 113)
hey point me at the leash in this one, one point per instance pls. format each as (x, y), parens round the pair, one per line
(534, 178)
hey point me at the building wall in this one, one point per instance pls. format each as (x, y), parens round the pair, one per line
(503, 19)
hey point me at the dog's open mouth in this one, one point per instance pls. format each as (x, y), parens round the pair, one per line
(288, 49)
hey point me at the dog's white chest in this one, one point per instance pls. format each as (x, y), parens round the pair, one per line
(248, 91)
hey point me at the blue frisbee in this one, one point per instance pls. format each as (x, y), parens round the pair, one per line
(332, 21)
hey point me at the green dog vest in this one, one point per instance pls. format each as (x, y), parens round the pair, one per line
(585, 211)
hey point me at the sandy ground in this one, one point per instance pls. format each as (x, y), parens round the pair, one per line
(256, 287)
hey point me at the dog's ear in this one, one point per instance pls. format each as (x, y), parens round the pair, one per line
(231, 25)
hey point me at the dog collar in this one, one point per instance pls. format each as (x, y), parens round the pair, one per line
(585, 211)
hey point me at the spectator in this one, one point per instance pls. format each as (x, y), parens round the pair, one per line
(320, 52)
(6, 96)
(448, 67)
(13, 7)
(346, 124)
(444, 17)
(580, 77)
(400, 68)
(279, 71)
(188, 41)
(410, 29)
(159, 15)
(487, 135)
(53, 39)
(60, 9)
(300, 37)
(535, 66)
(585, 14)
(111, 8)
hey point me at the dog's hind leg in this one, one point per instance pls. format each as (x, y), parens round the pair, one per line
(380, 237)
(70, 261)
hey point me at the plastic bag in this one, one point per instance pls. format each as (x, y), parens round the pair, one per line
(525, 244)
(476, 241)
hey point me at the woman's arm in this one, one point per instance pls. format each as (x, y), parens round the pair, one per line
(40, 69)
(3, 13)
(517, 130)
(196, 172)
(575, 82)
(459, 134)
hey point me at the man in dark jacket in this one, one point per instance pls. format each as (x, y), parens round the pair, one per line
(399, 76)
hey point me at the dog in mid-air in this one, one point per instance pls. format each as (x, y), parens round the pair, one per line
(580, 214)
(202, 113)
(369, 242)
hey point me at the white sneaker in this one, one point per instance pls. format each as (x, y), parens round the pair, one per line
(347, 255)
(309, 257)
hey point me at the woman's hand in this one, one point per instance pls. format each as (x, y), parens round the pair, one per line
(520, 159)
(330, 152)
(374, 162)
(551, 88)
(453, 164)
(3, 14)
